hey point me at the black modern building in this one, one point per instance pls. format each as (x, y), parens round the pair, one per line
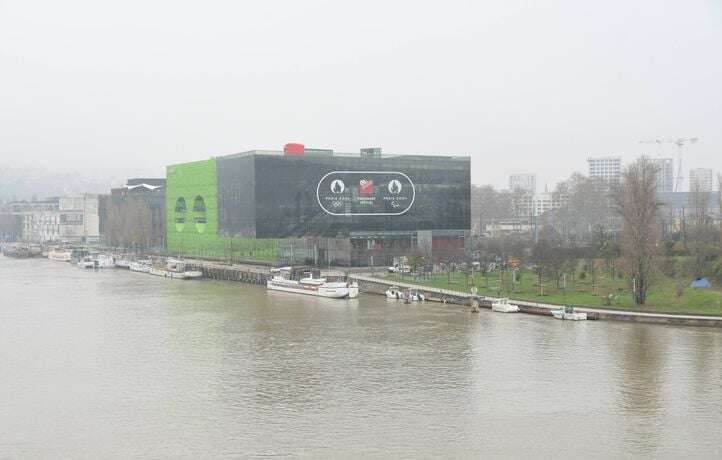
(346, 208)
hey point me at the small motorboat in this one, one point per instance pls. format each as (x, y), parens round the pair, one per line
(502, 305)
(87, 262)
(394, 293)
(412, 295)
(568, 313)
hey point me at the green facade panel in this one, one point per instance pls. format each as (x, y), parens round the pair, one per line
(192, 217)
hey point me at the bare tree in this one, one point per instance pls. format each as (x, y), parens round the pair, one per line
(719, 199)
(545, 256)
(138, 220)
(698, 205)
(488, 204)
(637, 204)
(114, 225)
(585, 208)
(702, 238)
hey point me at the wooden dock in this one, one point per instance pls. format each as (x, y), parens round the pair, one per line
(230, 272)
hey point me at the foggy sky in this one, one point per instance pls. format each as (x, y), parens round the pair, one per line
(521, 86)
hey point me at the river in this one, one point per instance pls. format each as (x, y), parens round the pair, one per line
(101, 364)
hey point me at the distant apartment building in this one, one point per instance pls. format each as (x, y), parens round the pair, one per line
(544, 202)
(522, 183)
(700, 179)
(527, 207)
(665, 179)
(522, 205)
(679, 209)
(607, 168)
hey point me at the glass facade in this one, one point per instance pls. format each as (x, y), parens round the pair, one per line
(275, 196)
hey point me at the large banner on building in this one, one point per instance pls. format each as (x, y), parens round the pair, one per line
(365, 193)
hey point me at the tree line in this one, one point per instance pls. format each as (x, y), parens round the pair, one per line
(624, 229)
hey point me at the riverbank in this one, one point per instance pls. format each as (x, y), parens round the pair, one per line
(667, 296)
(368, 283)
(371, 284)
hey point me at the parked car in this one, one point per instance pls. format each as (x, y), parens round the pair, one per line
(399, 269)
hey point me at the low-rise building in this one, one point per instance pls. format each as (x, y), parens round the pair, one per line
(506, 227)
(35, 221)
(79, 218)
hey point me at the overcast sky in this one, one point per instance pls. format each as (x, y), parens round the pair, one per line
(531, 86)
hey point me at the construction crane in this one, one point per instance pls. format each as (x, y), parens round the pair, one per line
(680, 142)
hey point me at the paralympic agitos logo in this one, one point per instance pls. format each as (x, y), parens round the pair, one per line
(365, 193)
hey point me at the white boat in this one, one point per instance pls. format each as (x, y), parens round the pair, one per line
(192, 274)
(352, 289)
(412, 295)
(174, 269)
(87, 262)
(61, 255)
(166, 273)
(122, 263)
(568, 313)
(96, 261)
(142, 266)
(394, 293)
(177, 269)
(502, 305)
(409, 295)
(281, 281)
(105, 261)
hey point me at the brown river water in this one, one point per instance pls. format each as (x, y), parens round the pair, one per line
(115, 364)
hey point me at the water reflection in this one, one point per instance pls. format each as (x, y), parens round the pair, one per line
(641, 378)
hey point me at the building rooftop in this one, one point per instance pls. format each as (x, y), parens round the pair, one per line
(317, 152)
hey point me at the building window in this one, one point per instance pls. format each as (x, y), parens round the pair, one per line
(199, 214)
(180, 214)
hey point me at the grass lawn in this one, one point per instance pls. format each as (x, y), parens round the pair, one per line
(662, 296)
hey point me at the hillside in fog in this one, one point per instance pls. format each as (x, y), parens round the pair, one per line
(26, 183)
